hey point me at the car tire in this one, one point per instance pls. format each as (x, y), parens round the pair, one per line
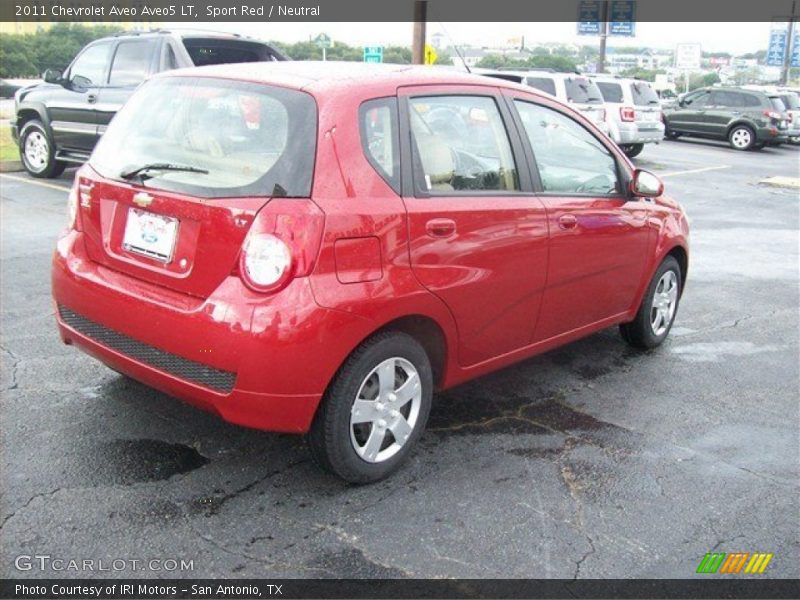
(671, 135)
(663, 294)
(632, 150)
(742, 137)
(38, 152)
(364, 449)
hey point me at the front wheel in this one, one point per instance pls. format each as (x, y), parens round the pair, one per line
(741, 137)
(657, 311)
(375, 409)
(38, 151)
(632, 150)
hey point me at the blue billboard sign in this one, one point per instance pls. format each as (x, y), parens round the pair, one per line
(795, 59)
(622, 18)
(776, 50)
(589, 12)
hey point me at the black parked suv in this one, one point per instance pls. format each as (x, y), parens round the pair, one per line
(746, 118)
(59, 121)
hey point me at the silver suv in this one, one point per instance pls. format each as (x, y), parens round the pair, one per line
(633, 112)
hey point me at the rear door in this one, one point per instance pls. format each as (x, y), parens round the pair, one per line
(477, 233)
(73, 108)
(599, 237)
(723, 106)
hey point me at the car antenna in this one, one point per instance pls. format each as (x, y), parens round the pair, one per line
(454, 45)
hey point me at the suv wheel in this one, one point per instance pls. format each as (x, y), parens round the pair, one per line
(375, 409)
(659, 306)
(742, 137)
(38, 151)
(632, 150)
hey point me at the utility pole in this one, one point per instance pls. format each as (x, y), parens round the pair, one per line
(601, 64)
(787, 55)
(420, 19)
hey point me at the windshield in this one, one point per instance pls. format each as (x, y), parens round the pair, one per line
(583, 91)
(791, 101)
(777, 103)
(253, 140)
(643, 94)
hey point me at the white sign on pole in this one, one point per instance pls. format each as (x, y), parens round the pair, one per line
(688, 56)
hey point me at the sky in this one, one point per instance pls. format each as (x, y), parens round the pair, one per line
(736, 38)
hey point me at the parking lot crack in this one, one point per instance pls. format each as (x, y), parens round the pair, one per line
(15, 360)
(351, 541)
(24, 506)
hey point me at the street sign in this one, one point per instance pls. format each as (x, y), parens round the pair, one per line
(373, 54)
(776, 51)
(430, 54)
(323, 40)
(589, 12)
(795, 58)
(622, 18)
(688, 56)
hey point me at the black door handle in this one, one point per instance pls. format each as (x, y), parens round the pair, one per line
(91, 98)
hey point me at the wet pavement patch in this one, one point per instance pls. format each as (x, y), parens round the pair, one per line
(124, 462)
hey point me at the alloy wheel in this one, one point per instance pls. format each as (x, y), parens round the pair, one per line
(665, 300)
(37, 151)
(741, 138)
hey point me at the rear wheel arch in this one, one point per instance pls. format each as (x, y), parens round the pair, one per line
(429, 334)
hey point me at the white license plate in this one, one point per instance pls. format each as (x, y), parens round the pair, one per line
(150, 234)
(650, 117)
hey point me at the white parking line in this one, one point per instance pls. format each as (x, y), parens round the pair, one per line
(690, 171)
(52, 186)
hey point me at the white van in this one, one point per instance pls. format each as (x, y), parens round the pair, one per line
(634, 112)
(573, 89)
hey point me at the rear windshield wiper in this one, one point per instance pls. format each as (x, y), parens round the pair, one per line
(160, 167)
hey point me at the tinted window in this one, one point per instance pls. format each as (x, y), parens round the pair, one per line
(750, 100)
(254, 140)
(379, 139)
(461, 143)
(696, 100)
(643, 94)
(545, 84)
(131, 63)
(92, 63)
(217, 52)
(725, 99)
(612, 92)
(583, 90)
(791, 101)
(569, 158)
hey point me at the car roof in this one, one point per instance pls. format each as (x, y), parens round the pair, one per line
(183, 34)
(318, 76)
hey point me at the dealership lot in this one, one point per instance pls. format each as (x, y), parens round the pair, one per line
(590, 461)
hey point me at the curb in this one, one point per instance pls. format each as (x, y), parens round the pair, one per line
(10, 166)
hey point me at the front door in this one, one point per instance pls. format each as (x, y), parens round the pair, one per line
(599, 236)
(477, 233)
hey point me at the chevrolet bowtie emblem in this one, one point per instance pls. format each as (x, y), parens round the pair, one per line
(143, 199)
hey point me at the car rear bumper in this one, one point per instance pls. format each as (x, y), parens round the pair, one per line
(632, 133)
(255, 361)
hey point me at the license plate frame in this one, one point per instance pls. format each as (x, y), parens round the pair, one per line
(151, 235)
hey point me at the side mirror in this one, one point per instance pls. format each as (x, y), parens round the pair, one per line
(53, 76)
(646, 185)
(80, 83)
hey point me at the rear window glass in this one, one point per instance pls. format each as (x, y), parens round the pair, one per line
(252, 139)
(612, 92)
(583, 91)
(777, 103)
(643, 94)
(791, 101)
(545, 84)
(218, 52)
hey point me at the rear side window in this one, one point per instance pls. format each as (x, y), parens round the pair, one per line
(252, 139)
(461, 145)
(643, 94)
(612, 92)
(92, 63)
(726, 99)
(750, 100)
(583, 91)
(131, 63)
(545, 84)
(378, 124)
(218, 52)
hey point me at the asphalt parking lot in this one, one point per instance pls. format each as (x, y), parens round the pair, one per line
(590, 461)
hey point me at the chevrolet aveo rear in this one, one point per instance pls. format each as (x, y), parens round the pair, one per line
(316, 248)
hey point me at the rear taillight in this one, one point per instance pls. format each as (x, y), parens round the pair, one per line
(772, 115)
(789, 117)
(72, 206)
(282, 243)
(626, 113)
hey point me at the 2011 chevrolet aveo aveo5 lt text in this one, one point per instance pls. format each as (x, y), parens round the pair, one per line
(314, 248)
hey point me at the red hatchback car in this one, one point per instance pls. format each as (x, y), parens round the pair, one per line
(315, 247)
